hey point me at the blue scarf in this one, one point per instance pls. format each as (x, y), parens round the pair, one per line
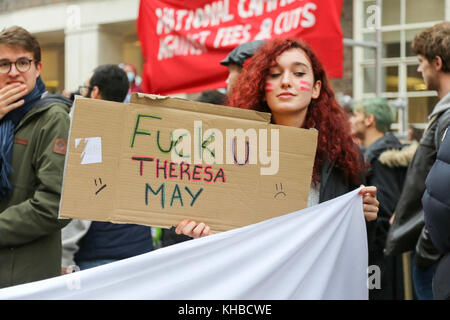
(7, 126)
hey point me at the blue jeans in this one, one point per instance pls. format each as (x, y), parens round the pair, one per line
(423, 280)
(94, 263)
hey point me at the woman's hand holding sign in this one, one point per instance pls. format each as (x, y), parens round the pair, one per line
(192, 229)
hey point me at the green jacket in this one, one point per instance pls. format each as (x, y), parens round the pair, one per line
(30, 231)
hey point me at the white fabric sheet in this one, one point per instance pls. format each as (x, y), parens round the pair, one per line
(316, 253)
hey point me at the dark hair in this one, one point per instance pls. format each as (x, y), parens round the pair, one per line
(416, 133)
(433, 42)
(111, 81)
(242, 52)
(212, 96)
(335, 143)
(18, 37)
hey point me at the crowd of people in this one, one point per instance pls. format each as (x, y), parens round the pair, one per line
(283, 77)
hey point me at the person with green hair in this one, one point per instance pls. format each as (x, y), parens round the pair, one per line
(375, 111)
(371, 122)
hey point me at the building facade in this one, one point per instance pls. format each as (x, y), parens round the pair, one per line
(77, 36)
(401, 20)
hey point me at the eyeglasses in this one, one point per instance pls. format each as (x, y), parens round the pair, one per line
(22, 65)
(84, 90)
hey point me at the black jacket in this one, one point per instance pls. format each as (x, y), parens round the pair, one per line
(389, 182)
(436, 199)
(408, 230)
(332, 183)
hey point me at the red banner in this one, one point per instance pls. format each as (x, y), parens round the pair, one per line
(184, 41)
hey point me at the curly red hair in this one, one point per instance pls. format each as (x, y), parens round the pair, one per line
(334, 143)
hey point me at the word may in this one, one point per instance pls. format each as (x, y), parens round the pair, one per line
(172, 170)
(241, 147)
(176, 194)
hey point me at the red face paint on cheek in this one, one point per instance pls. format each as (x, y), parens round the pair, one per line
(305, 85)
(308, 84)
(269, 87)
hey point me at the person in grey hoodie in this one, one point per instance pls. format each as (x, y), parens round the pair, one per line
(370, 122)
(408, 231)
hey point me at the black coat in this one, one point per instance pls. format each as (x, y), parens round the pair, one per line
(332, 183)
(436, 199)
(436, 205)
(389, 182)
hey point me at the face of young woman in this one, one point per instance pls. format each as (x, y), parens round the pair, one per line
(290, 85)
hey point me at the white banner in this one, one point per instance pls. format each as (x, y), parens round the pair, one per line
(316, 253)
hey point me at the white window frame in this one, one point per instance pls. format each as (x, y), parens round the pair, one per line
(402, 62)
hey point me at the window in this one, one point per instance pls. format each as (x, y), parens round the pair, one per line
(401, 20)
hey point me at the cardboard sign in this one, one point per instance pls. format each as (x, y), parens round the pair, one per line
(159, 160)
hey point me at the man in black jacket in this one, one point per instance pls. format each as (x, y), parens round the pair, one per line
(370, 122)
(408, 231)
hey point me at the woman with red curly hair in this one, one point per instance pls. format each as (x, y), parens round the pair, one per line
(285, 78)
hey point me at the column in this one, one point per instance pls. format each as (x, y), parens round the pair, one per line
(87, 47)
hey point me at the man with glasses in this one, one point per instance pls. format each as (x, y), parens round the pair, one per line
(33, 139)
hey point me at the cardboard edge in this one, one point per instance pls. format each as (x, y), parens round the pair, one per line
(202, 107)
(72, 111)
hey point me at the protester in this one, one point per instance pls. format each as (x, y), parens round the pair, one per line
(436, 205)
(235, 60)
(89, 244)
(212, 96)
(371, 121)
(285, 78)
(408, 231)
(33, 135)
(133, 79)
